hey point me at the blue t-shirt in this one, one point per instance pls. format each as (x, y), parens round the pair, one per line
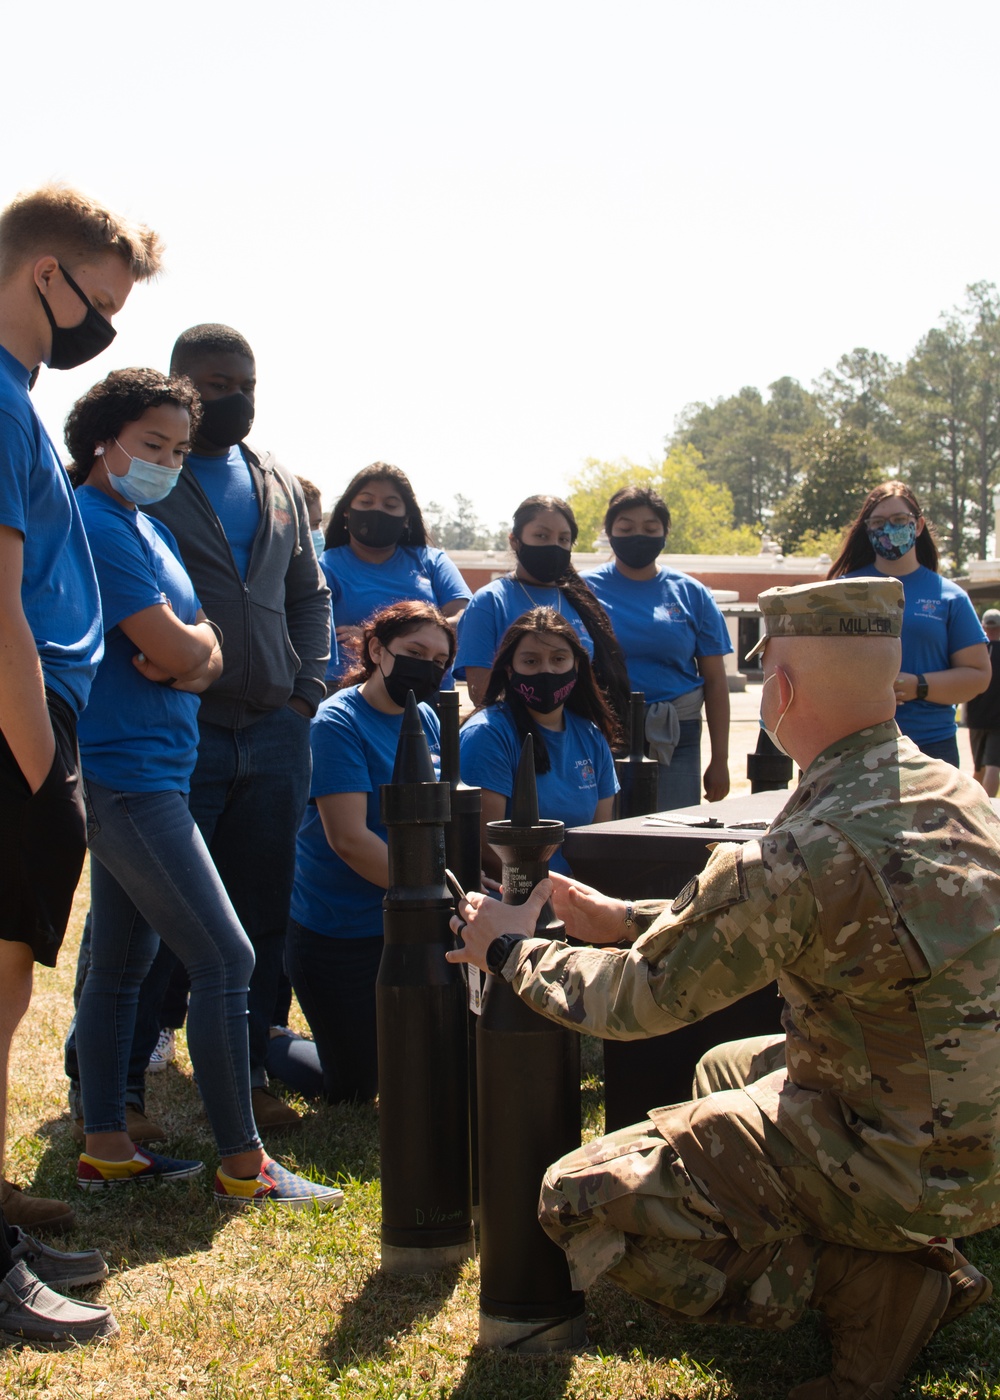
(353, 750)
(58, 588)
(499, 603)
(135, 735)
(358, 589)
(227, 483)
(582, 769)
(938, 620)
(663, 625)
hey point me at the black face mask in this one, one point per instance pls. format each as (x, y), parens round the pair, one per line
(225, 422)
(411, 673)
(543, 691)
(75, 345)
(375, 528)
(637, 550)
(545, 562)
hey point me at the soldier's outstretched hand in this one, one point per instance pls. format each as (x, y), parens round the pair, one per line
(589, 916)
(480, 919)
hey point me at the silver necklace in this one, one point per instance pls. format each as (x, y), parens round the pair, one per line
(540, 605)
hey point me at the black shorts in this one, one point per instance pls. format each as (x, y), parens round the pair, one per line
(43, 841)
(985, 744)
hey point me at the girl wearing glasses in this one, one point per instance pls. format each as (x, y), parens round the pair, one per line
(945, 658)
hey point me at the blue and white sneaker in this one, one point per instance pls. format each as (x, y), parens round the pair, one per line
(164, 1051)
(275, 1185)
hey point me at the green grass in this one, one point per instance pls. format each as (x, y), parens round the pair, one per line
(294, 1306)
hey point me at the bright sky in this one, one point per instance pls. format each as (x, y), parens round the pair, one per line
(486, 242)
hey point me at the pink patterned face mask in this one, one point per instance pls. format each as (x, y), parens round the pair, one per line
(544, 691)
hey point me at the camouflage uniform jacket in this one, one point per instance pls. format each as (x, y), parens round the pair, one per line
(874, 898)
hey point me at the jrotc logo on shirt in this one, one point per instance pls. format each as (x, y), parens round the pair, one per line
(585, 773)
(931, 607)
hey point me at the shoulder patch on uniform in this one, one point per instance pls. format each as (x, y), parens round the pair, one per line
(686, 895)
(722, 883)
(720, 886)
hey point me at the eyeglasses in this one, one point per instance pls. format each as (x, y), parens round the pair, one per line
(880, 522)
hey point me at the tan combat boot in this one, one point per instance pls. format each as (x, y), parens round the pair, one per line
(969, 1288)
(139, 1128)
(271, 1113)
(33, 1213)
(881, 1309)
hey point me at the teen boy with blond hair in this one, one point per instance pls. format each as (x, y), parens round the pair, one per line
(67, 265)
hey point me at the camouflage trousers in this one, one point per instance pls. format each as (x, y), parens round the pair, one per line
(626, 1207)
(737, 1063)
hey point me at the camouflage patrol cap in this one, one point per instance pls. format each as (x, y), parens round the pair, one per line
(843, 607)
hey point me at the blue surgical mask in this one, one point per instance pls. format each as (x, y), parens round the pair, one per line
(144, 483)
(319, 542)
(893, 541)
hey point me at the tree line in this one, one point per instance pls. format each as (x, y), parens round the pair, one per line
(795, 464)
(459, 527)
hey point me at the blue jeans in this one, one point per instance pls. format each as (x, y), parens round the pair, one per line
(150, 869)
(146, 1025)
(249, 792)
(679, 781)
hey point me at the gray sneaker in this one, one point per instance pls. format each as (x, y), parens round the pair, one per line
(30, 1312)
(57, 1268)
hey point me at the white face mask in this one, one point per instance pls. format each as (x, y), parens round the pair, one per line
(144, 483)
(772, 734)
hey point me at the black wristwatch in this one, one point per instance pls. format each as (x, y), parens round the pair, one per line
(921, 687)
(500, 950)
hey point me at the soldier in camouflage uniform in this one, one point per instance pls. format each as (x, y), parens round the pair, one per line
(874, 899)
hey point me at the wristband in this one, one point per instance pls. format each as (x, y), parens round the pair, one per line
(500, 950)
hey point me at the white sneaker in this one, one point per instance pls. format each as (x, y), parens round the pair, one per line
(164, 1052)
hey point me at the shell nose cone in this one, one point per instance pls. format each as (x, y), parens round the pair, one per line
(413, 755)
(524, 802)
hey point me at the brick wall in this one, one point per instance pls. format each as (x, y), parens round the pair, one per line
(746, 576)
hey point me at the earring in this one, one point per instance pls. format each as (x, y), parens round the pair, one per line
(98, 451)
